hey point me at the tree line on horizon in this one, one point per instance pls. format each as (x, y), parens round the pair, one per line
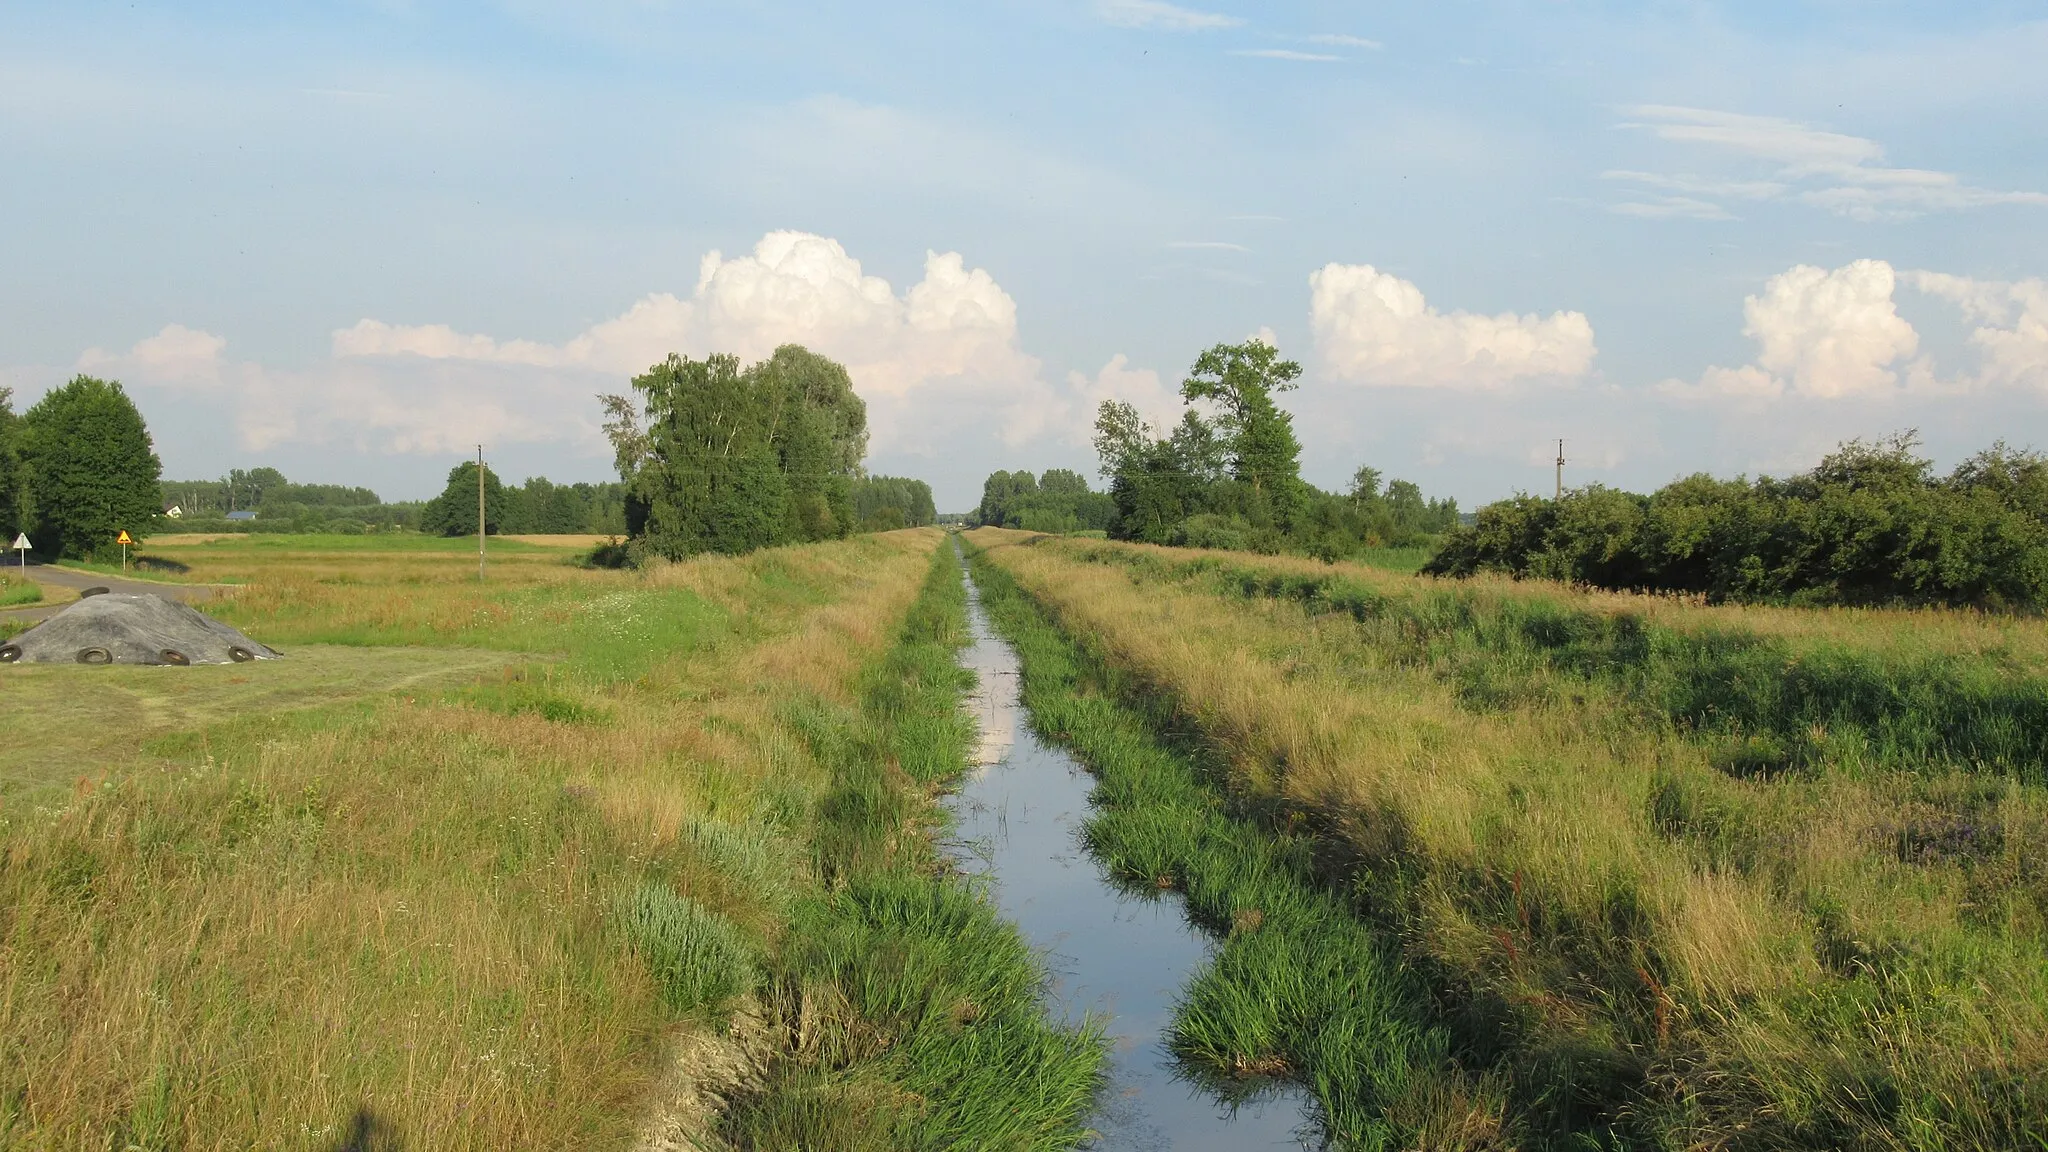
(728, 460)
(1872, 523)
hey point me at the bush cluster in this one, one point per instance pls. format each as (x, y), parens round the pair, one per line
(1872, 524)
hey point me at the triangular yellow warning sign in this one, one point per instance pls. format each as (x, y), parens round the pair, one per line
(123, 538)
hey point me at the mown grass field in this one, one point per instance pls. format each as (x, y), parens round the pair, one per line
(1667, 876)
(563, 859)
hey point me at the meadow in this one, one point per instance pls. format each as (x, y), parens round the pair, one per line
(564, 858)
(1612, 871)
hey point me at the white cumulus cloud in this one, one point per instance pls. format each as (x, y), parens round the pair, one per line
(176, 353)
(949, 340)
(1819, 333)
(794, 288)
(1158, 403)
(2012, 318)
(1830, 333)
(1373, 327)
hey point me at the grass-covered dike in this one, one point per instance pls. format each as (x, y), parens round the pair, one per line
(1630, 936)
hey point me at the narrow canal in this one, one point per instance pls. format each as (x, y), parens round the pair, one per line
(1019, 816)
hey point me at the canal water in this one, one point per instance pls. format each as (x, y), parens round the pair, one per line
(1122, 957)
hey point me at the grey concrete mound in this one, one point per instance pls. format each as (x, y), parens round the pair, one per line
(128, 628)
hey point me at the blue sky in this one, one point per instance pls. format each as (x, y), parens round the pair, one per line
(346, 240)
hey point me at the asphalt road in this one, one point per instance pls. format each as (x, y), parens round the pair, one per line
(66, 578)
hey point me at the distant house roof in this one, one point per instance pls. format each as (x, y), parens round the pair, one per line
(241, 515)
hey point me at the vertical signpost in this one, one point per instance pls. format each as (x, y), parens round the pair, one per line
(479, 513)
(22, 546)
(124, 541)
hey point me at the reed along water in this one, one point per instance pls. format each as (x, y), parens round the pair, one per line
(1122, 957)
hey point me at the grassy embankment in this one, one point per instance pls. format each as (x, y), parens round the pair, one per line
(1675, 875)
(365, 891)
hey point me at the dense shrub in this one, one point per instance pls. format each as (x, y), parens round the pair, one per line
(1872, 524)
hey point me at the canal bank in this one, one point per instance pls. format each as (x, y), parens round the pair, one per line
(1302, 988)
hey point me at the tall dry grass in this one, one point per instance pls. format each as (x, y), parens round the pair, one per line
(395, 914)
(1651, 948)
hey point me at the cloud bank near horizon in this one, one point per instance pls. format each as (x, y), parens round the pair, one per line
(943, 356)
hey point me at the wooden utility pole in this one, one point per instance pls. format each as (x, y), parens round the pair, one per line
(1560, 469)
(480, 511)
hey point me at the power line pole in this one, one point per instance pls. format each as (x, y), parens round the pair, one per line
(480, 513)
(1560, 469)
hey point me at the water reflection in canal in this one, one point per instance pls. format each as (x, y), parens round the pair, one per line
(1019, 814)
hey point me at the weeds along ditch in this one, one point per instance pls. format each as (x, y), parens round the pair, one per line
(1626, 937)
(1299, 987)
(1762, 703)
(907, 1012)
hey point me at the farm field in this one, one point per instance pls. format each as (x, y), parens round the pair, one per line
(565, 859)
(1631, 872)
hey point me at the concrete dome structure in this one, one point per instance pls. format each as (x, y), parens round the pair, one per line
(127, 628)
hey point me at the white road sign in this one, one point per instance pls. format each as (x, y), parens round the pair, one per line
(21, 543)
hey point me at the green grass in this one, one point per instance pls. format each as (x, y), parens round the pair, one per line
(301, 543)
(18, 590)
(912, 1008)
(1393, 559)
(477, 898)
(1301, 987)
(700, 959)
(1764, 704)
(74, 721)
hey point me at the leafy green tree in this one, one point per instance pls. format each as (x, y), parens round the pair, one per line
(731, 460)
(250, 488)
(820, 431)
(712, 480)
(1264, 455)
(823, 387)
(92, 473)
(13, 477)
(453, 512)
(1365, 484)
